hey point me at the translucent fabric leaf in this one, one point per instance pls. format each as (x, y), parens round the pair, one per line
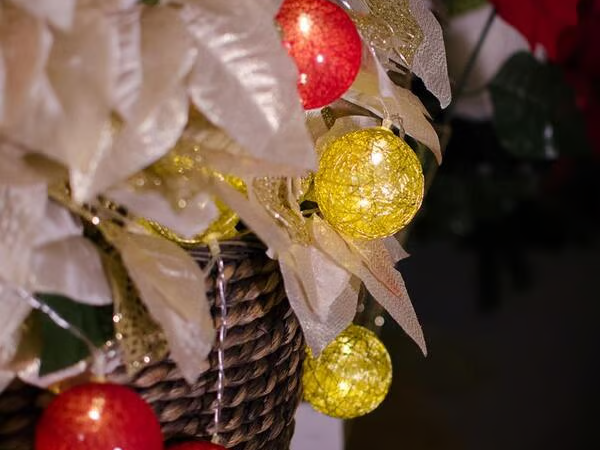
(322, 279)
(40, 247)
(245, 82)
(374, 91)
(316, 123)
(317, 331)
(395, 250)
(70, 267)
(171, 285)
(380, 278)
(430, 60)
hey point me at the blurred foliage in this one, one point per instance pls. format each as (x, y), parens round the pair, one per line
(501, 205)
(535, 113)
(457, 7)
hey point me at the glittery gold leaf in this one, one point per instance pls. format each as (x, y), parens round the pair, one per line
(275, 195)
(141, 339)
(391, 29)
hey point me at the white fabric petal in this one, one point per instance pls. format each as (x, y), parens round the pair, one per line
(58, 12)
(245, 82)
(71, 267)
(196, 217)
(21, 215)
(25, 42)
(127, 72)
(160, 114)
(13, 311)
(58, 223)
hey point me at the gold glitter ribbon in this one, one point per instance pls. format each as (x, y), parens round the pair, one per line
(141, 339)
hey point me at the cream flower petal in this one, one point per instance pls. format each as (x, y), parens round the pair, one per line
(158, 117)
(199, 213)
(25, 42)
(58, 12)
(71, 267)
(245, 82)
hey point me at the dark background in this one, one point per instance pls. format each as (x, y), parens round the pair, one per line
(507, 292)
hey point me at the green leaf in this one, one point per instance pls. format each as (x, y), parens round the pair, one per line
(60, 349)
(457, 7)
(535, 114)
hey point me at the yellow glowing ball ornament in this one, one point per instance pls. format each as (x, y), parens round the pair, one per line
(351, 377)
(369, 184)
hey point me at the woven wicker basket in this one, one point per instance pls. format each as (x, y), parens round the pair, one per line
(263, 360)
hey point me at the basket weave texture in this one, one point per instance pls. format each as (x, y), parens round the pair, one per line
(264, 351)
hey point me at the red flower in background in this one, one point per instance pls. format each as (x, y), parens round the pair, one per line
(540, 21)
(579, 55)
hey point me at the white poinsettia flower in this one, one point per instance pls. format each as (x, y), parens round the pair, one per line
(41, 250)
(106, 92)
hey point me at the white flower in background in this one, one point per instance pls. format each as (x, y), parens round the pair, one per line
(502, 42)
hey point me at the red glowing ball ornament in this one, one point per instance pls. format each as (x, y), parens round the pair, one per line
(97, 416)
(326, 46)
(196, 446)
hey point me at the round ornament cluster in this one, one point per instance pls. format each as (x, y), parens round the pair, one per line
(324, 43)
(97, 416)
(369, 184)
(351, 377)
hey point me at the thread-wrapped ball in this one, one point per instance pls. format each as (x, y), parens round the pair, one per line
(97, 416)
(369, 183)
(326, 46)
(351, 377)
